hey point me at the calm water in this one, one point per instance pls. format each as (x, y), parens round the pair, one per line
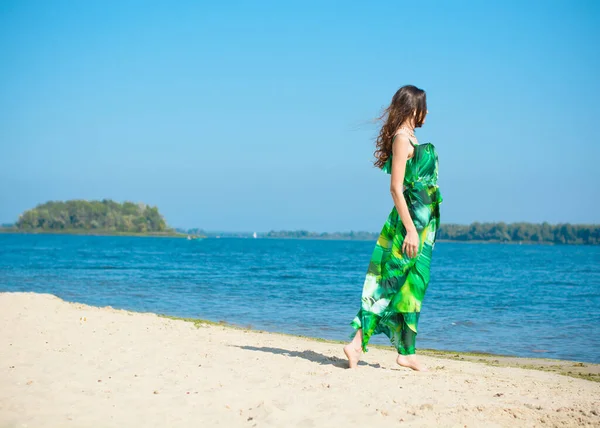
(524, 300)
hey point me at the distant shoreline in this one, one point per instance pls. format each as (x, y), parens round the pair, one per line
(308, 238)
(110, 218)
(94, 233)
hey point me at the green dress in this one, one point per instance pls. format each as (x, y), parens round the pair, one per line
(395, 284)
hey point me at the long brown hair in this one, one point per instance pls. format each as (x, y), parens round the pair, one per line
(408, 100)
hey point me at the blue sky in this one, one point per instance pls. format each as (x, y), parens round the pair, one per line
(249, 116)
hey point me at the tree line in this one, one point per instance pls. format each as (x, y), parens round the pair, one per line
(564, 233)
(488, 232)
(81, 215)
(128, 217)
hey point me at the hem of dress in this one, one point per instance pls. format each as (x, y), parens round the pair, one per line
(409, 351)
(358, 326)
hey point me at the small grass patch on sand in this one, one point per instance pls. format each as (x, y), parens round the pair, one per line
(199, 322)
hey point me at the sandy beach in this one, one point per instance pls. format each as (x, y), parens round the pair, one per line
(72, 365)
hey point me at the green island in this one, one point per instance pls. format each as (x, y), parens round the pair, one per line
(104, 217)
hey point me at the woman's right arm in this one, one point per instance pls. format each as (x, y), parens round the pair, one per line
(400, 151)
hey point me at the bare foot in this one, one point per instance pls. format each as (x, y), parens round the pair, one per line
(353, 355)
(411, 362)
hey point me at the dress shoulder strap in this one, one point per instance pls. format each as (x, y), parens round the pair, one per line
(403, 132)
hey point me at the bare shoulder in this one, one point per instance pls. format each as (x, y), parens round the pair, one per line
(402, 146)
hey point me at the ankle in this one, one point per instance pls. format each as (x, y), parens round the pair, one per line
(355, 347)
(407, 356)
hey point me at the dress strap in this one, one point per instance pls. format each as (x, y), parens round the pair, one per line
(409, 140)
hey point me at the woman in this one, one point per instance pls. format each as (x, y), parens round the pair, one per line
(398, 274)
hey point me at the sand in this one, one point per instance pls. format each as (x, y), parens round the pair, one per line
(72, 365)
